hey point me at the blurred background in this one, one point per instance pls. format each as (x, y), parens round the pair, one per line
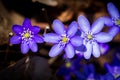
(39, 66)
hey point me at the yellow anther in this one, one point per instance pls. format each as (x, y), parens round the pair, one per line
(64, 39)
(118, 22)
(89, 36)
(68, 64)
(26, 35)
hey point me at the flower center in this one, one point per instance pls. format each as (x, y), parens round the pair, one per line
(64, 39)
(26, 35)
(68, 64)
(89, 36)
(117, 22)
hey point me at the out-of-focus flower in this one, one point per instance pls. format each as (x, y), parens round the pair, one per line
(115, 16)
(104, 48)
(87, 72)
(114, 70)
(70, 66)
(63, 39)
(107, 76)
(27, 35)
(113, 73)
(93, 36)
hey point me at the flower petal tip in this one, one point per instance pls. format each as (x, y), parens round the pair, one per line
(110, 4)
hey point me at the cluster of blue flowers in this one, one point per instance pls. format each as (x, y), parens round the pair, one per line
(78, 71)
(67, 39)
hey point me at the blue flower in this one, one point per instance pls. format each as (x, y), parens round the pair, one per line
(71, 66)
(115, 16)
(63, 39)
(92, 36)
(104, 48)
(114, 70)
(107, 76)
(27, 35)
(114, 13)
(86, 72)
